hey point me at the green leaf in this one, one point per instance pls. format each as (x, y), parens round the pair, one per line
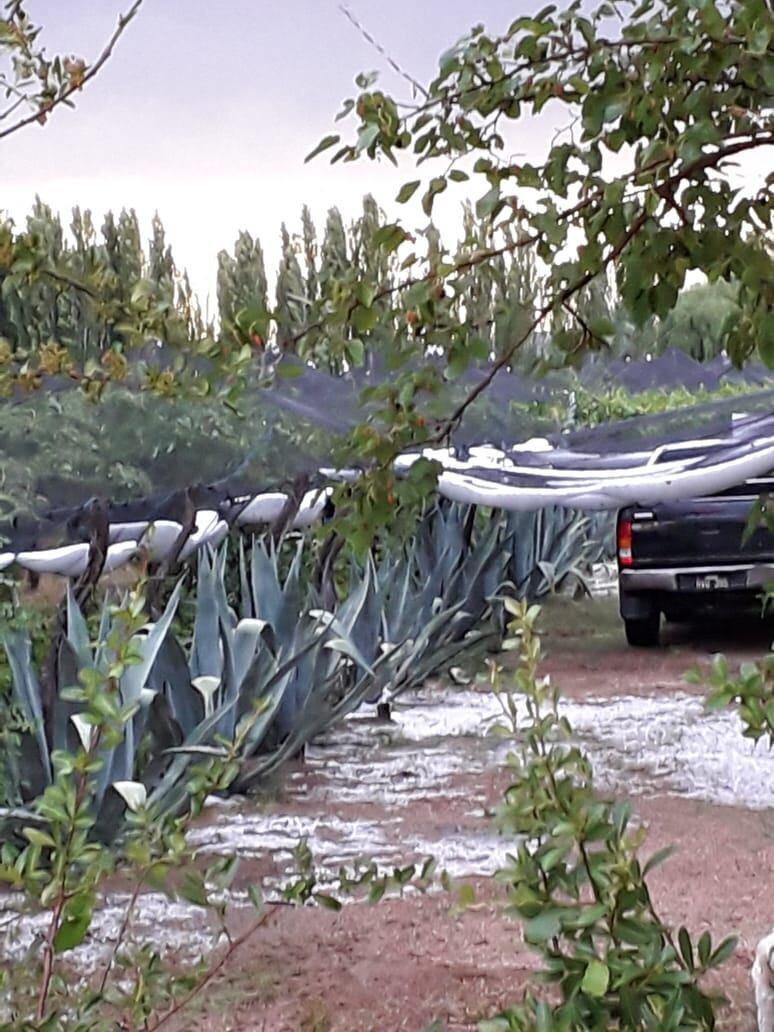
(76, 919)
(407, 191)
(596, 979)
(39, 838)
(323, 145)
(543, 927)
(724, 951)
(657, 858)
(602, 328)
(71, 933)
(192, 888)
(356, 352)
(367, 136)
(437, 186)
(328, 902)
(486, 205)
(686, 949)
(364, 319)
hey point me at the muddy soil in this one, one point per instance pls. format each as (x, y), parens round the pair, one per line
(428, 785)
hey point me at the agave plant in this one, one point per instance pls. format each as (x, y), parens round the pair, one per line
(551, 545)
(120, 779)
(434, 595)
(333, 672)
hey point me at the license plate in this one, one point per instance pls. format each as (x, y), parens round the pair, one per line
(711, 582)
(733, 580)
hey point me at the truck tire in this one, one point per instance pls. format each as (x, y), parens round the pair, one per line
(643, 632)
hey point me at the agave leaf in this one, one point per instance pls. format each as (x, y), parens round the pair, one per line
(362, 618)
(218, 751)
(102, 635)
(207, 686)
(247, 609)
(118, 762)
(231, 684)
(266, 587)
(171, 677)
(276, 603)
(67, 670)
(26, 693)
(348, 648)
(246, 638)
(549, 573)
(206, 657)
(170, 793)
(77, 630)
(262, 719)
(135, 677)
(84, 729)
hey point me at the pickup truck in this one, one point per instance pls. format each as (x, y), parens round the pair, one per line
(683, 559)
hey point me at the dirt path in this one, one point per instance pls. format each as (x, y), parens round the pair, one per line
(406, 963)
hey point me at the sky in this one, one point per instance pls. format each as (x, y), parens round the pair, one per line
(207, 109)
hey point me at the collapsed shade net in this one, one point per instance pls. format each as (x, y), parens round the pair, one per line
(151, 457)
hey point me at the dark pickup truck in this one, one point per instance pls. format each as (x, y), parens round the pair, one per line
(683, 559)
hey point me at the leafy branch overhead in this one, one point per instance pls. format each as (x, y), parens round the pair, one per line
(668, 120)
(34, 84)
(661, 95)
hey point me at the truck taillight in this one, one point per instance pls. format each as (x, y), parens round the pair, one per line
(625, 542)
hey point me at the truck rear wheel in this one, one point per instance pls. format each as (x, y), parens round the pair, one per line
(643, 632)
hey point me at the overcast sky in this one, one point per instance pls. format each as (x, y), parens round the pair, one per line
(207, 109)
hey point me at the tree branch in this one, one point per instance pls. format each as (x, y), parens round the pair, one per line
(216, 968)
(123, 23)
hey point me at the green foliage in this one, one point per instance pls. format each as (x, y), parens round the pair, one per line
(577, 883)
(57, 858)
(750, 692)
(701, 320)
(60, 450)
(626, 78)
(80, 305)
(37, 82)
(139, 733)
(130, 752)
(592, 408)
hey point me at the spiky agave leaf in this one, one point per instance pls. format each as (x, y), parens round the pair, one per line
(35, 760)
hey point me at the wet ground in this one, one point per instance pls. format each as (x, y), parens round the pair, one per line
(424, 784)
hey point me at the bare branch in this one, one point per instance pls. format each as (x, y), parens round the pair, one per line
(414, 83)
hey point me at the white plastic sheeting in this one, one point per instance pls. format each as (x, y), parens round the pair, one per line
(525, 477)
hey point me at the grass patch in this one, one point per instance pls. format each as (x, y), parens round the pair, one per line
(587, 623)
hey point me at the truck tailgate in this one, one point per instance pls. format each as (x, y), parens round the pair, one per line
(697, 532)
